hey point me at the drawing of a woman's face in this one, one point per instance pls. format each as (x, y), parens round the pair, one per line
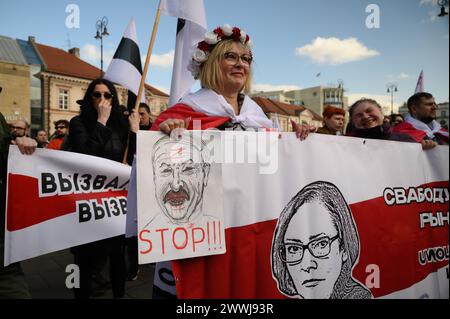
(311, 251)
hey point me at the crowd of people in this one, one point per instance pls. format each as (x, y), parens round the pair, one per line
(223, 64)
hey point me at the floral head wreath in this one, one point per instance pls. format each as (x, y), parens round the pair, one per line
(205, 47)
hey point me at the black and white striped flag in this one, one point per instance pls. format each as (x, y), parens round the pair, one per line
(126, 66)
(191, 29)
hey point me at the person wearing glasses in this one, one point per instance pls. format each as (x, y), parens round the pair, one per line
(58, 138)
(19, 129)
(223, 63)
(101, 130)
(316, 245)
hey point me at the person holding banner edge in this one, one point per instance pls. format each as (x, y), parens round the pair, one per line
(12, 279)
(101, 130)
(223, 64)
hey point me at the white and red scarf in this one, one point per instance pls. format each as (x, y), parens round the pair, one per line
(212, 104)
(429, 129)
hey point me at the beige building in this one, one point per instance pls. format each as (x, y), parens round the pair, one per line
(279, 96)
(15, 81)
(66, 79)
(157, 100)
(315, 98)
(42, 84)
(287, 113)
(442, 114)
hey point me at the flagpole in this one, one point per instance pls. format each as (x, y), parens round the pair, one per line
(144, 74)
(147, 59)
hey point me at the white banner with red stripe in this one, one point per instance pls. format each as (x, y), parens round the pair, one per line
(57, 200)
(341, 217)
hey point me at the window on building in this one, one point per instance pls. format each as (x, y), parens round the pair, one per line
(443, 114)
(63, 99)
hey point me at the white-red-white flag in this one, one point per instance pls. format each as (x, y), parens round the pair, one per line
(57, 200)
(191, 29)
(277, 225)
(420, 84)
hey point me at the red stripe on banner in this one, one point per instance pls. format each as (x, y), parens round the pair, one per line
(243, 272)
(26, 208)
(390, 238)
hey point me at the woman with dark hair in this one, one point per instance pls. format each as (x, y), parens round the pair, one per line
(101, 130)
(316, 246)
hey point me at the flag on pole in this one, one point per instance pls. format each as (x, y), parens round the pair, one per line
(126, 66)
(276, 122)
(191, 29)
(420, 84)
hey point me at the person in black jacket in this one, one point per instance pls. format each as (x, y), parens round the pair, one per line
(101, 130)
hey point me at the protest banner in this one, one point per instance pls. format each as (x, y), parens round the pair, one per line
(57, 200)
(340, 218)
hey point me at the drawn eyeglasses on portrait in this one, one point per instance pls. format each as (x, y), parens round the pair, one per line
(292, 253)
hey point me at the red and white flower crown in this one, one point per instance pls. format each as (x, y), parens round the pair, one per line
(205, 47)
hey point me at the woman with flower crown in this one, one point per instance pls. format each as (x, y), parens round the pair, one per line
(223, 64)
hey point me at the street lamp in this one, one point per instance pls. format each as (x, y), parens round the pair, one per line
(443, 4)
(391, 88)
(102, 31)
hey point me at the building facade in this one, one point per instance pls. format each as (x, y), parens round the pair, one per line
(15, 81)
(35, 62)
(442, 114)
(287, 113)
(43, 84)
(66, 79)
(315, 98)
